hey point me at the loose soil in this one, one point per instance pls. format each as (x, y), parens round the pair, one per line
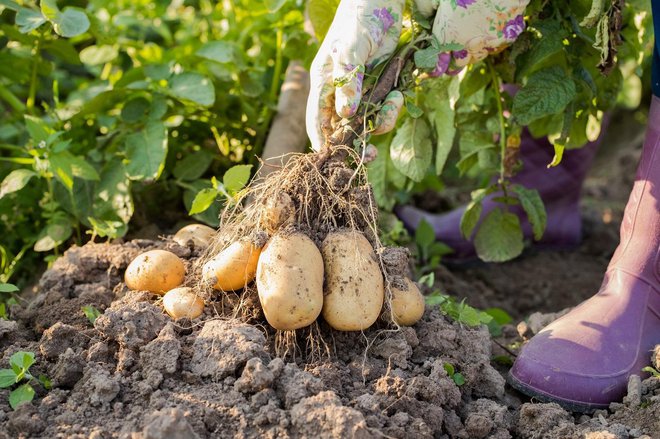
(136, 373)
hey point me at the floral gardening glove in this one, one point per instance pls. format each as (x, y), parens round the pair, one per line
(363, 34)
(477, 27)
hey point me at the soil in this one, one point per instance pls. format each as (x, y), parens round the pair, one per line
(136, 373)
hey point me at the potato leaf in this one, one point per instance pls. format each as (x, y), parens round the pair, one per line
(499, 237)
(21, 395)
(411, 149)
(203, 200)
(236, 178)
(547, 92)
(533, 204)
(146, 152)
(15, 181)
(193, 87)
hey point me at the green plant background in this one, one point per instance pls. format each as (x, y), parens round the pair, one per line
(117, 115)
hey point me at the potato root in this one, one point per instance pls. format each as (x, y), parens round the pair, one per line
(200, 235)
(183, 302)
(156, 271)
(407, 305)
(290, 281)
(234, 267)
(354, 290)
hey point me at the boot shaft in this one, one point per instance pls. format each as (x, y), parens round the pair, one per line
(639, 249)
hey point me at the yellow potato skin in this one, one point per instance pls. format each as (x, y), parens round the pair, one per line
(234, 267)
(354, 291)
(408, 305)
(183, 302)
(199, 234)
(156, 271)
(290, 281)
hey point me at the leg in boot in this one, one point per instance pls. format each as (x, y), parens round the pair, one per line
(559, 188)
(584, 359)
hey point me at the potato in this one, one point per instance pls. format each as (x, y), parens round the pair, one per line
(290, 281)
(183, 302)
(354, 289)
(278, 211)
(156, 271)
(234, 267)
(407, 305)
(199, 234)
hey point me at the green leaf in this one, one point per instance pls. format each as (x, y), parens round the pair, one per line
(424, 234)
(427, 58)
(449, 368)
(321, 13)
(499, 237)
(10, 4)
(218, 51)
(91, 313)
(8, 288)
(413, 110)
(499, 315)
(411, 150)
(458, 378)
(56, 232)
(193, 87)
(547, 92)
(146, 152)
(7, 378)
(559, 154)
(38, 130)
(192, 166)
(49, 9)
(21, 395)
(203, 200)
(96, 55)
(66, 166)
(71, 22)
(533, 204)
(445, 130)
(28, 20)
(595, 13)
(274, 5)
(112, 195)
(135, 110)
(15, 181)
(236, 178)
(22, 359)
(472, 213)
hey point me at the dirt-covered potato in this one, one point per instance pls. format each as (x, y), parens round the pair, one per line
(156, 271)
(407, 305)
(278, 211)
(199, 234)
(354, 290)
(290, 281)
(234, 267)
(183, 302)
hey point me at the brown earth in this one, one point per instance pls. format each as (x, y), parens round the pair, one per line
(137, 374)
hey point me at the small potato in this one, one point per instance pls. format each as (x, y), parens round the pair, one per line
(183, 302)
(234, 267)
(199, 234)
(278, 211)
(354, 290)
(290, 281)
(156, 271)
(407, 305)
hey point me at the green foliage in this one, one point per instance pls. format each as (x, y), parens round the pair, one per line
(233, 181)
(120, 110)
(91, 313)
(20, 363)
(457, 377)
(459, 311)
(467, 127)
(653, 371)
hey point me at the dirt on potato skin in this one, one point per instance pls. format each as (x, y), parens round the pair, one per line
(138, 374)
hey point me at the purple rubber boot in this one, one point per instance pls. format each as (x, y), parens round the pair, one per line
(559, 188)
(583, 360)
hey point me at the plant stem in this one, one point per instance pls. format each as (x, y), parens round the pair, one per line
(500, 113)
(33, 78)
(11, 99)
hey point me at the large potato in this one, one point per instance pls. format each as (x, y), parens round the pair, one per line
(200, 235)
(183, 302)
(407, 305)
(290, 281)
(234, 267)
(156, 271)
(354, 289)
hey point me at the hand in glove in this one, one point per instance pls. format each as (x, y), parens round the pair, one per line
(363, 34)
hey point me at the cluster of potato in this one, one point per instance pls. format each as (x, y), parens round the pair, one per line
(163, 272)
(296, 281)
(290, 270)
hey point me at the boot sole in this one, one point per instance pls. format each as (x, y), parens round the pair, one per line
(570, 405)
